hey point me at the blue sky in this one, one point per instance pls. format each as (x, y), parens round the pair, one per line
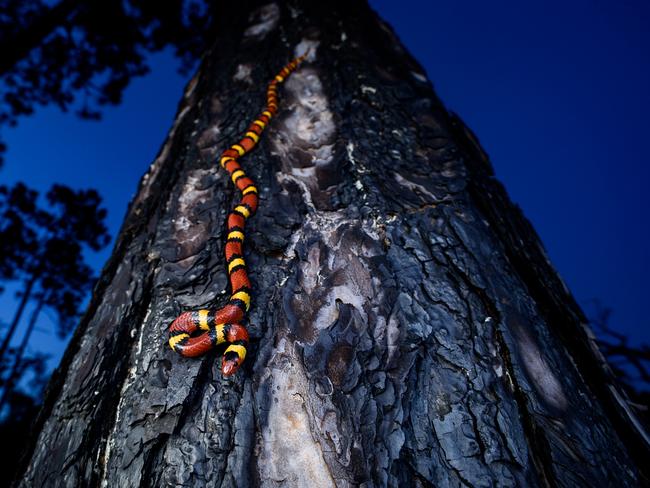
(557, 92)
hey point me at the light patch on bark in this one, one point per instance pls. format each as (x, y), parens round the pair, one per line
(419, 76)
(392, 337)
(457, 445)
(303, 136)
(539, 371)
(264, 20)
(243, 73)
(207, 142)
(306, 195)
(289, 454)
(347, 293)
(128, 382)
(191, 86)
(497, 365)
(309, 46)
(190, 231)
(216, 105)
(414, 187)
(310, 119)
(359, 166)
(337, 269)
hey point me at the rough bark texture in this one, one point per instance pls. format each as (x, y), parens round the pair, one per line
(407, 327)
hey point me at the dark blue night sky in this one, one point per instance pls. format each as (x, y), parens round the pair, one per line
(557, 92)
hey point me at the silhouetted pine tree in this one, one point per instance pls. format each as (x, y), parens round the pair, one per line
(81, 55)
(52, 267)
(18, 238)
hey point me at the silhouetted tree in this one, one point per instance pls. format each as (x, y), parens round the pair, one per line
(631, 364)
(64, 283)
(18, 238)
(44, 248)
(54, 270)
(20, 366)
(19, 409)
(82, 54)
(19, 414)
(17, 370)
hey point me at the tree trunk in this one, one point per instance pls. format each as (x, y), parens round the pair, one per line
(407, 327)
(18, 314)
(16, 370)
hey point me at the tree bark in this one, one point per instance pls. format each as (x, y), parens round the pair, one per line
(407, 327)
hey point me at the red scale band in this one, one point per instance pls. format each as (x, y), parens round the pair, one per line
(247, 143)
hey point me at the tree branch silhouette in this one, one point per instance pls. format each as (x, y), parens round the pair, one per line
(82, 55)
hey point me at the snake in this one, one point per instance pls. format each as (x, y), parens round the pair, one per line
(194, 333)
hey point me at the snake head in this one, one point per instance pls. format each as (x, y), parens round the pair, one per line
(230, 364)
(235, 353)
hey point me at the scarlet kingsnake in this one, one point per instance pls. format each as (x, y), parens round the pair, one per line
(223, 325)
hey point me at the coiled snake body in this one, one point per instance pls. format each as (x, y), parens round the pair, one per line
(194, 333)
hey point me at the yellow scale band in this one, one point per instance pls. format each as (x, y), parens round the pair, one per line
(279, 78)
(225, 160)
(203, 320)
(237, 174)
(259, 123)
(176, 339)
(250, 189)
(235, 262)
(221, 337)
(242, 210)
(240, 350)
(244, 297)
(235, 234)
(239, 149)
(267, 113)
(253, 136)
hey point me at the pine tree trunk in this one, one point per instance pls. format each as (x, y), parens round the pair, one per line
(407, 327)
(25, 296)
(17, 369)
